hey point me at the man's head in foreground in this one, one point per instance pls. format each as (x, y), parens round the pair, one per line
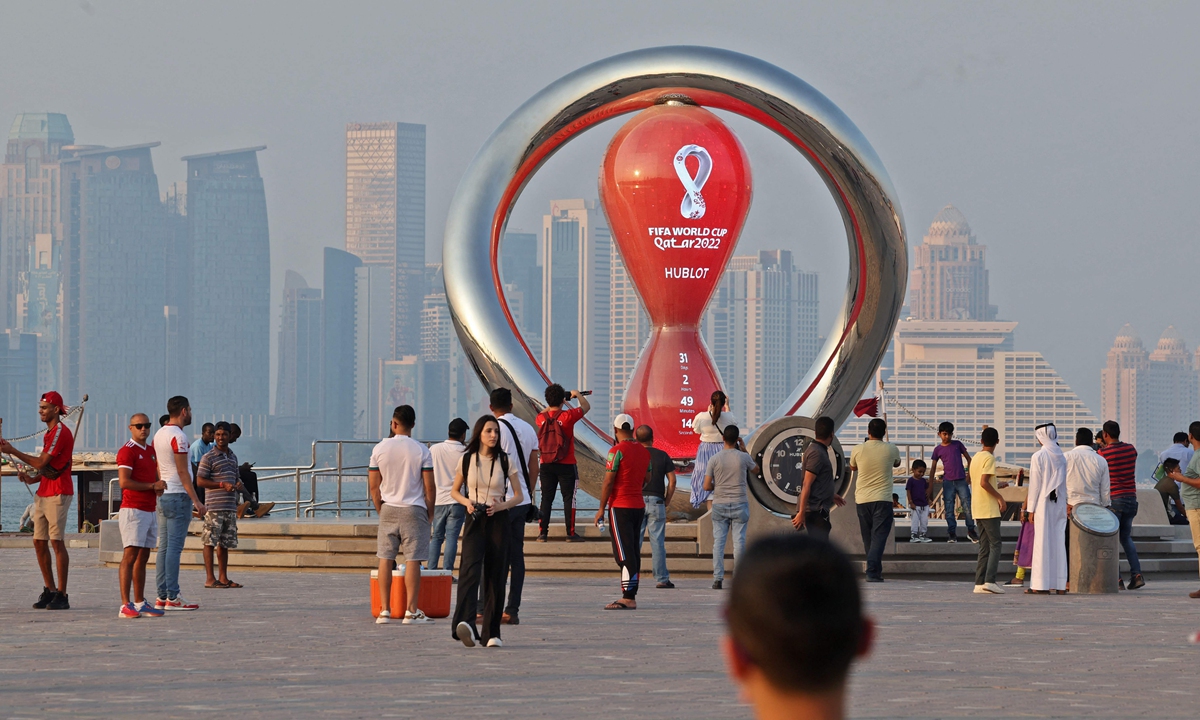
(795, 623)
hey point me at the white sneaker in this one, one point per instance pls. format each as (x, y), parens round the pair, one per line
(994, 588)
(495, 642)
(466, 634)
(924, 539)
(981, 590)
(385, 617)
(417, 618)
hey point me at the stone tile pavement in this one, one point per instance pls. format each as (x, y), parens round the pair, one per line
(303, 645)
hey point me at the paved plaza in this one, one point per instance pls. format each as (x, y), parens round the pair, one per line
(303, 644)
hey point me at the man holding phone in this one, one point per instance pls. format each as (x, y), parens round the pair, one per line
(218, 475)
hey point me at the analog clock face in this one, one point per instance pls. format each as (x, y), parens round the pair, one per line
(783, 467)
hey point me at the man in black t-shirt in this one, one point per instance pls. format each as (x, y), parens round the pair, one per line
(818, 495)
(657, 492)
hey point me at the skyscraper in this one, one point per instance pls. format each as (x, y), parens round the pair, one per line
(18, 382)
(519, 269)
(762, 331)
(337, 340)
(949, 280)
(298, 389)
(114, 287)
(629, 328)
(29, 225)
(1151, 395)
(372, 346)
(385, 217)
(576, 286)
(230, 300)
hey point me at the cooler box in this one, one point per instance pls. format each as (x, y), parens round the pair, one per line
(433, 598)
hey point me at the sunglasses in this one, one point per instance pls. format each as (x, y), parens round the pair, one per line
(140, 426)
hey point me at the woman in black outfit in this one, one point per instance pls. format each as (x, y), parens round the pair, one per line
(481, 484)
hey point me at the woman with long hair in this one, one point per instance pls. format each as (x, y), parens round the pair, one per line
(481, 485)
(709, 426)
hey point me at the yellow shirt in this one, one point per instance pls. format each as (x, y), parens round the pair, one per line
(983, 505)
(874, 460)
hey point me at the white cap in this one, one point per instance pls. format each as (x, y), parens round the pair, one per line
(623, 421)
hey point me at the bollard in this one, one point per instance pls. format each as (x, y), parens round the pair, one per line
(1095, 562)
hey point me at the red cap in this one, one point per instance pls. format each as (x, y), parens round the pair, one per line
(55, 399)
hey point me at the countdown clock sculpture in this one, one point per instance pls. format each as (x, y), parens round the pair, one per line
(691, 77)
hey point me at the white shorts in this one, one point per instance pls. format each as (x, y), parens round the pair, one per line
(138, 528)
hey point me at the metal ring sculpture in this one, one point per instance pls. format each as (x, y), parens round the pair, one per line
(630, 82)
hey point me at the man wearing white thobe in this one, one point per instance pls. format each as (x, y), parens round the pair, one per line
(1048, 505)
(1087, 473)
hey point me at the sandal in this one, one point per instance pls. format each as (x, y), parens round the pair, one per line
(217, 585)
(619, 605)
(231, 585)
(1031, 591)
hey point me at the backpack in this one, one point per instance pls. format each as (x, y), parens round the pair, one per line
(552, 439)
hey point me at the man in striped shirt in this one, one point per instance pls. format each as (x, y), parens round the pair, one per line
(218, 475)
(1122, 473)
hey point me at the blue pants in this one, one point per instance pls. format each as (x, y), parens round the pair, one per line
(447, 522)
(174, 516)
(656, 520)
(1126, 508)
(961, 488)
(727, 517)
(875, 522)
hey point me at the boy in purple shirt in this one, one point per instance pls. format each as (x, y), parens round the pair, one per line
(951, 453)
(917, 489)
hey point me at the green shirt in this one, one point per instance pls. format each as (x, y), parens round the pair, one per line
(874, 460)
(1187, 493)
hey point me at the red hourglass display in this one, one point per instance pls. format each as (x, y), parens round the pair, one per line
(676, 188)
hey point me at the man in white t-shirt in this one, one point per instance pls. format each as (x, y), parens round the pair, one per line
(523, 453)
(448, 515)
(400, 483)
(176, 504)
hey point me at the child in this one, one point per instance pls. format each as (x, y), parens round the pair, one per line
(917, 489)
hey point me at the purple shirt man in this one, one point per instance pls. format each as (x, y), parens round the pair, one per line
(952, 460)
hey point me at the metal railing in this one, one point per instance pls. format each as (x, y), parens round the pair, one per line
(339, 471)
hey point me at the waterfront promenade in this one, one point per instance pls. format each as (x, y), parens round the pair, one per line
(303, 645)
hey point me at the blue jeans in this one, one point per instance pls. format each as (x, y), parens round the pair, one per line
(961, 488)
(875, 523)
(447, 522)
(174, 516)
(656, 520)
(1126, 508)
(726, 517)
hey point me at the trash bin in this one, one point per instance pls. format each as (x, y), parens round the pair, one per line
(1095, 561)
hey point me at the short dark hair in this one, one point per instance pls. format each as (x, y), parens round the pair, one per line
(222, 425)
(990, 437)
(644, 434)
(1194, 429)
(946, 426)
(731, 433)
(1180, 438)
(795, 611)
(405, 416)
(877, 428)
(1112, 429)
(206, 426)
(177, 405)
(236, 430)
(1083, 436)
(555, 395)
(823, 428)
(501, 399)
(163, 420)
(458, 429)
(919, 464)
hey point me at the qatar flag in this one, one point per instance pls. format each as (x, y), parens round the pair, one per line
(867, 406)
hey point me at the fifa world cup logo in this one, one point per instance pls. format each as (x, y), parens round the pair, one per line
(675, 251)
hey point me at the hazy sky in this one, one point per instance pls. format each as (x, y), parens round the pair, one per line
(1065, 132)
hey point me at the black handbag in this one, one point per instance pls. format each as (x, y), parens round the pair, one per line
(533, 515)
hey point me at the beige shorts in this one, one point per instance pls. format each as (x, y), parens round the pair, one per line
(50, 516)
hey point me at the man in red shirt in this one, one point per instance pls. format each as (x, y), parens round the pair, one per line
(137, 471)
(621, 495)
(52, 474)
(556, 450)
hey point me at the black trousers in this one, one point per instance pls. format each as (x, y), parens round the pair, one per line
(483, 552)
(625, 527)
(515, 559)
(816, 522)
(563, 477)
(875, 524)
